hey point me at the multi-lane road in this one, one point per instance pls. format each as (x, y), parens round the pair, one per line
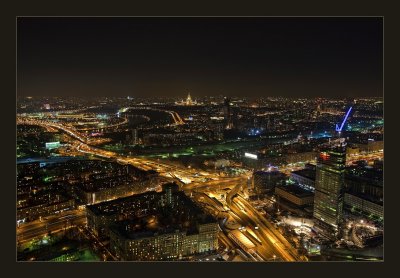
(269, 243)
(191, 179)
(269, 235)
(272, 242)
(30, 230)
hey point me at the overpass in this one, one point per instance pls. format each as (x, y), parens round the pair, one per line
(73, 133)
(52, 160)
(233, 193)
(174, 115)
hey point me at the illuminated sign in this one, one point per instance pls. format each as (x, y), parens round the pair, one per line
(250, 155)
(324, 155)
(52, 145)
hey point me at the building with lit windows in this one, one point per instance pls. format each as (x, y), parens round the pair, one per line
(265, 181)
(170, 190)
(364, 191)
(41, 204)
(363, 205)
(188, 101)
(154, 226)
(369, 146)
(329, 187)
(135, 138)
(96, 191)
(299, 157)
(227, 113)
(153, 238)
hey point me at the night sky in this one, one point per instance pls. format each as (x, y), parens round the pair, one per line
(149, 56)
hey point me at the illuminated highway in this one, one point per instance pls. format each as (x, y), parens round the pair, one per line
(367, 157)
(174, 115)
(28, 231)
(191, 179)
(73, 133)
(123, 122)
(266, 231)
(183, 174)
(270, 244)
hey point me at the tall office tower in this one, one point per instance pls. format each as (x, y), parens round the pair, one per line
(189, 100)
(218, 131)
(329, 185)
(135, 140)
(268, 126)
(169, 189)
(227, 113)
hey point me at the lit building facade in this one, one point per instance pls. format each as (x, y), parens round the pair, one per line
(264, 182)
(93, 192)
(32, 207)
(329, 186)
(228, 113)
(300, 157)
(154, 226)
(364, 191)
(162, 245)
(363, 205)
(188, 101)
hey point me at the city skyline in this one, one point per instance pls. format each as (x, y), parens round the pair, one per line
(203, 139)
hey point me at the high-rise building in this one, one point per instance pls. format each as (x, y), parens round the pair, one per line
(154, 226)
(264, 182)
(135, 139)
(329, 186)
(189, 100)
(227, 113)
(169, 190)
(364, 191)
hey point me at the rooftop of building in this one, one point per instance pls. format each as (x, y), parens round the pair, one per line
(268, 173)
(366, 173)
(307, 173)
(106, 183)
(41, 198)
(115, 206)
(161, 223)
(367, 197)
(151, 201)
(296, 190)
